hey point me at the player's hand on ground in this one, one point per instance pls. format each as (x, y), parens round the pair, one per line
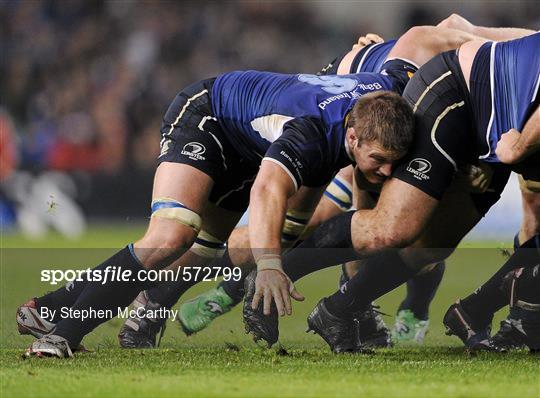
(370, 38)
(272, 284)
(506, 147)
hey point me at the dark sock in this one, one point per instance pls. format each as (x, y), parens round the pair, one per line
(107, 297)
(329, 245)
(62, 297)
(488, 299)
(234, 289)
(528, 287)
(168, 293)
(420, 291)
(380, 274)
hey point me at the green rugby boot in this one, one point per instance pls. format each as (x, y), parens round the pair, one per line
(198, 313)
(408, 328)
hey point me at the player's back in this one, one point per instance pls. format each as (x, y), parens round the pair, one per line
(514, 75)
(252, 107)
(372, 57)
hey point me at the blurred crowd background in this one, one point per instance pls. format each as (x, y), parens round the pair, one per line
(84, 83)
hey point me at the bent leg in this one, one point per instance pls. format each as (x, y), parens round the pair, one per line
(178, 230)
(170, 234)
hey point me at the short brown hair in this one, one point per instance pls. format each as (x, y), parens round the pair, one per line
(385, 117)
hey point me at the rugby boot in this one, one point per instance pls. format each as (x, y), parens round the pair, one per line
(522, 287)
(198, 313)
(459, 323)
(408, 328)
(141, 332)
(260, 326)
(507, 337)
(49, 346)
(29, 321)
(341, 334)
(372, 329)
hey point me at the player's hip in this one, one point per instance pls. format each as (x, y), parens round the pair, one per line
(192, 135)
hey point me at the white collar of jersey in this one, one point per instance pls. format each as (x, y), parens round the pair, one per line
(348, 150)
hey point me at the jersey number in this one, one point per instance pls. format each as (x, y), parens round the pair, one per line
(331, 84)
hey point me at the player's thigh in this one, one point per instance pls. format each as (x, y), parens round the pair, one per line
(179, 197)
(191, 160)
(530, 193)
(455, 216)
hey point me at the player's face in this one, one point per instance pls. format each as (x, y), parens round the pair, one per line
(374, 161)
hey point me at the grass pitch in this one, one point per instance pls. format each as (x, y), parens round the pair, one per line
(222, 361)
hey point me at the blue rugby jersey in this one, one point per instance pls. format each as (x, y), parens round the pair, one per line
(297, 121)
(372, 57)
(514, 79)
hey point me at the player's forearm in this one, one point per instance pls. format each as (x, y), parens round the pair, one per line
(526, 146)
(528, 142)
(501, 34)
(266, 217)
(456, 21)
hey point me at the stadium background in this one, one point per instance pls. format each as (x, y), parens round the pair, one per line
(85, 83)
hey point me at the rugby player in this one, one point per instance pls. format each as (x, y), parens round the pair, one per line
(506, 151)
(289, 133)
(462, 105)
(224, 174)
(368, 55)
(516, 283)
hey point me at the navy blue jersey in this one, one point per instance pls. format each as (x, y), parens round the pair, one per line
(296, 121)
(514, 78)
(372, 57)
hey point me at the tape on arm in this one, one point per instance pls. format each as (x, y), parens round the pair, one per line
(269, 262)
(339, 192)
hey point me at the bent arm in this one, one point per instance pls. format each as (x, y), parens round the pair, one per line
(421, 43)
(268, 205)
(456, 21)
(514, 147)
(397, 220)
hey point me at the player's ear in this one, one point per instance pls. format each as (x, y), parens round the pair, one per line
(351, 137)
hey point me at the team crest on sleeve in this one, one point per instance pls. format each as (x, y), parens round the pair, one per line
(194, 150)
(419, 168)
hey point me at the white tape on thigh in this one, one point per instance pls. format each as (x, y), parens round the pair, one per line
(173, 210)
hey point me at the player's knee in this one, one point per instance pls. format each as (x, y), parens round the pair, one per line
(168, 240)
(177, 236)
